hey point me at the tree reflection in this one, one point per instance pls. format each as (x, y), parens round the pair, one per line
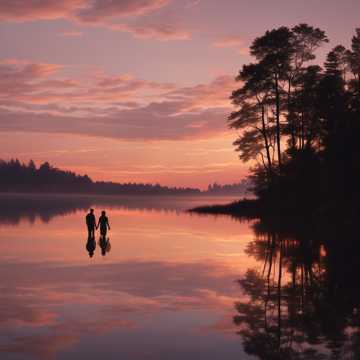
(303, 301)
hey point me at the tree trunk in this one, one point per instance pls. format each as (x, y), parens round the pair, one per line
(302, 143)
(291, 120)
(277, 100)
(267, 147)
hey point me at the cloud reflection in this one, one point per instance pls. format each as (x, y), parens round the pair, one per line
(30, 207)
(104, 299)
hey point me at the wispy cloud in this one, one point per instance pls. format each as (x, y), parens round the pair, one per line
(163, 32)
(233, 42)
(25, 10)
(82, 10)
(101, 13)
(192, 3)
(99, 10)
(38, 98)
(72, 33)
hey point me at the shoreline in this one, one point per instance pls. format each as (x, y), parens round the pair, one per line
(245, 208)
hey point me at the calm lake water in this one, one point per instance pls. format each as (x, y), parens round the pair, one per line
(167, 285)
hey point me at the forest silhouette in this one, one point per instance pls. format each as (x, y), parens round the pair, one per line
(19, 177)
(299, 123)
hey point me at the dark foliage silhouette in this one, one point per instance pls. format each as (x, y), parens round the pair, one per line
(300, 122)
(229, 189)
(18, 177)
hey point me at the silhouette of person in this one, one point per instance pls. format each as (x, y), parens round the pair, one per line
(90, 246)
(103, 223)
(91, 223)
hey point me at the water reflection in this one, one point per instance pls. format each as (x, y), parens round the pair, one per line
(167, 283)
(137, 309)
(29, 207)
(91, 245)
(104, 243)
(16, 208)
(304, 302)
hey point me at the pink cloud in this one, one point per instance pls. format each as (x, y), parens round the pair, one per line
(35, 98)
(163, 32)
(21, 78)
(96, 13)
(31, 84)
(157, 121)
(114, 80)
(58, 84)
(72, 33)
(128, 81)
(98, 10)
(83, 10)
(22, 10)
(213, 95)
(15, 69)
(234, 42)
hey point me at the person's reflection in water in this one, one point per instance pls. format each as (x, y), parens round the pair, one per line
(105, 245)
(90, 246)
(91, 223)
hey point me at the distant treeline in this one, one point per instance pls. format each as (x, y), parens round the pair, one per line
(243, 187)
(16, 176)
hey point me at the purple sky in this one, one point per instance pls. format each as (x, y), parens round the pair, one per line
(137, 90)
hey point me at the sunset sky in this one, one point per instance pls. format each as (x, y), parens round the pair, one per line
(137, 90)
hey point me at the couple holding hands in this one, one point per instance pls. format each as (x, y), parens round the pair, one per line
(103, 223)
